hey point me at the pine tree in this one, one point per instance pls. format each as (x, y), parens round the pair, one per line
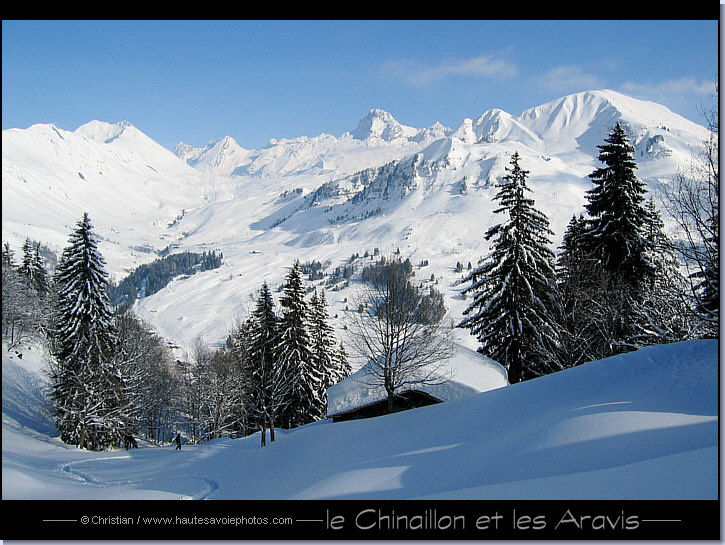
(266, 385)
(571, 255)
(616, 247)
(18, 305)
(294, 354)
(87, 389)
(579, 291)
(514, 288)
(39, 276)
(33, 286)
(342, 365)
(25, 268)
(614, 235)
(324, 349)
(9, 256)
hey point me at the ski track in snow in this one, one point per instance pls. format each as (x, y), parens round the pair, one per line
(206, 485)
(87, 478)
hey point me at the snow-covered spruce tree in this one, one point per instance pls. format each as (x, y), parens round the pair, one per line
(570, 258)
(342, 365)
(9, 256)
(25, 268)
(579, 305)
(614, 239)
(614, 235)
(325, 354)
(294, 355)
(39, 274)
(261, 340)
(266, 384)
(35, 285)
(238, 344)
(514, 289)
(89, 395)
(18, 304)
(590, 328)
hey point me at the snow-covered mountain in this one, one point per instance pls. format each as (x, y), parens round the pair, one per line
(381, 185)
(378, 138)
(380, 125)
(132, 187)
(223, 156)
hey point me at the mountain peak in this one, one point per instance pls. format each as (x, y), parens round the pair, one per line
(377, 112)
(381, 124)
(101, 131)
(226, 142)
(222, 156)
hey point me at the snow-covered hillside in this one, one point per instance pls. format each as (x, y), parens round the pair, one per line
(132, 187)
(427, 191)
(642, 425)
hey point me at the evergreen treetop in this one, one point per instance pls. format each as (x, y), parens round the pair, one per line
(294, 354)
(8, 256)
(89, 392)
(614, 236)
(86, 324)
(513, 289)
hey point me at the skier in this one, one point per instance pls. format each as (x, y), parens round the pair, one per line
(130, 441)
(178, 441)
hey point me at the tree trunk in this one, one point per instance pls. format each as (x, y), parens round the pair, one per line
(271, 429)
(264, 436)
(391, 398)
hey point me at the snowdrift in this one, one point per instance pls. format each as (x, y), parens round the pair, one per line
(642, 425)
(464, 374)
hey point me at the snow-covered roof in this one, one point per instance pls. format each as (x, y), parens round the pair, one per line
(468, 373)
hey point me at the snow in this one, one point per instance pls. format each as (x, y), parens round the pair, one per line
(224, 156)
(467, 373)
(256, 207)
(642, 425)
(380, 124)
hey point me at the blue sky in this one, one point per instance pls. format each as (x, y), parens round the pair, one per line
(200, 80)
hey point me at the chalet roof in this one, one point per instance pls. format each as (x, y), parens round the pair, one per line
(468, 373)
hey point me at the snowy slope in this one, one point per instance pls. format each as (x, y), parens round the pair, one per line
(642, 425)
(428, 192)
(132, 187)
(572, 126)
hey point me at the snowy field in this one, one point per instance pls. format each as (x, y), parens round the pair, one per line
(638, 426)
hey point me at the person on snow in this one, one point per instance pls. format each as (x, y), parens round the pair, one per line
(178, 441)
(130, 441)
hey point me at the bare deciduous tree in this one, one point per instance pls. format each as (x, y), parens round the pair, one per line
(398, 332)
(692, 199)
